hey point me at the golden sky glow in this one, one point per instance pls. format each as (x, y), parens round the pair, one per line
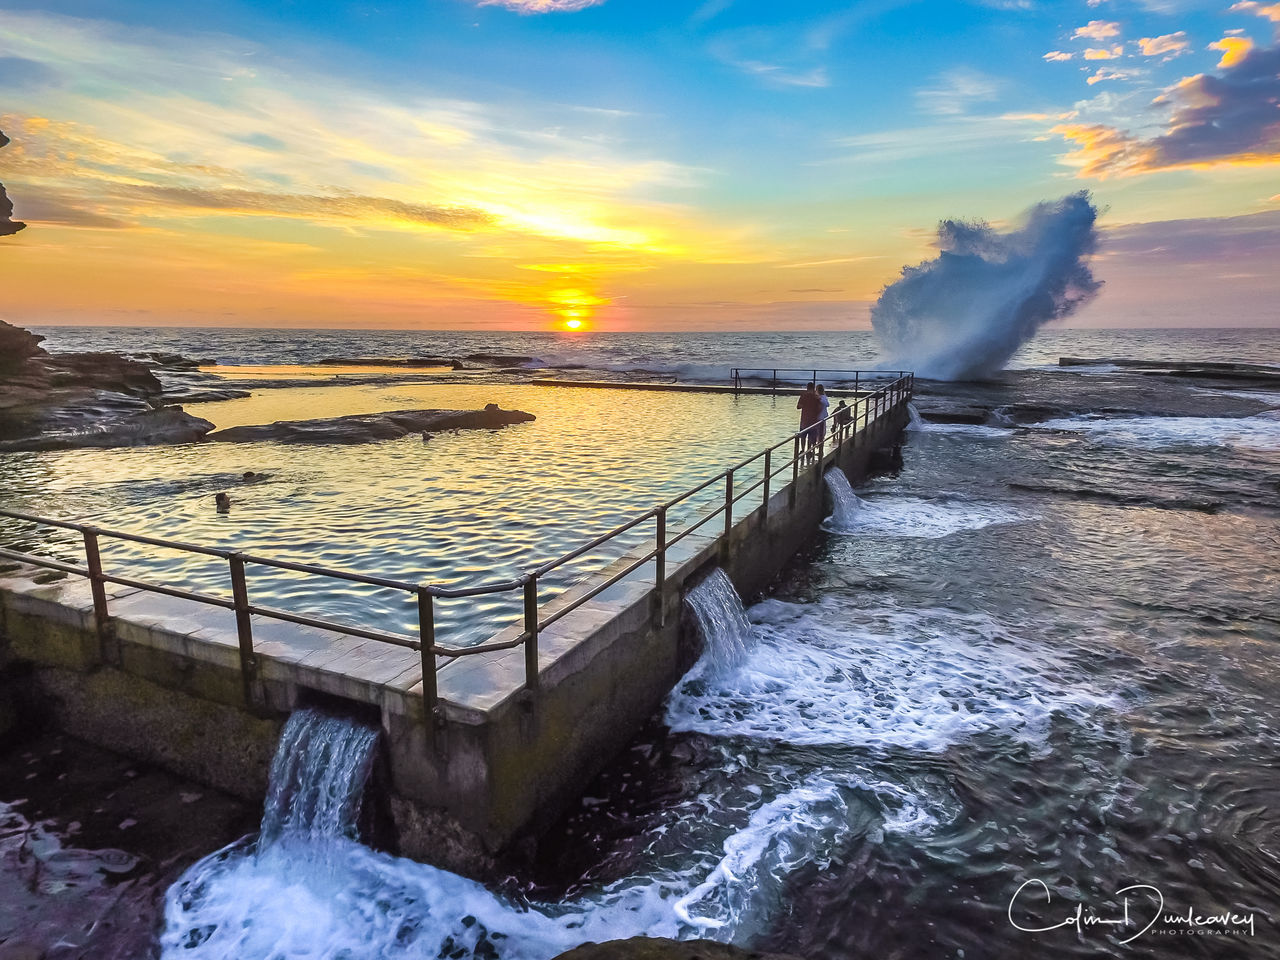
(179, 175)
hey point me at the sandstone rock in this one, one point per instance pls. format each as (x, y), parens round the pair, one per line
(645, 948)
(364, 428)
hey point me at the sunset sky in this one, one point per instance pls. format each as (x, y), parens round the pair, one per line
(621, 164)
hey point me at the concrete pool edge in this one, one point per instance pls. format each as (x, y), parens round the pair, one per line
(501, 767)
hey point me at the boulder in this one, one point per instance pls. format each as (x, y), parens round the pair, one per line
(144, 428)
(17, 346)
(365, 428)
(647, 948)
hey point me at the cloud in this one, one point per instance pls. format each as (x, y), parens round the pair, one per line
(1097, 30)
(1234, 49)
(1173, 44)
(1106, 73)
(1103, 53)
(526, 7)
(955, 91)
(1053, 55)
(1271, 12)
(1226, 119)
(337, 207)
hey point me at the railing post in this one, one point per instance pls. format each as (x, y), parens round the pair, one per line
(427, 637)
(101, 617)
(244, 625)
(768, 475)
(822, 443)
(531, 633)
(660, 563)
(728, 505)
(775, 382)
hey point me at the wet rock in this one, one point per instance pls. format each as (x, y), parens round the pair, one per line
(144, 428)
(646, 948)
(365, 428)
(499, 359)
(52, 401)
(17, 346)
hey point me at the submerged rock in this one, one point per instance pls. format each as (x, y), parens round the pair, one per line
(364, 428)
(647, 948)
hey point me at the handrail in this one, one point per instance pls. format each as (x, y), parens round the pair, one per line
(893, 388)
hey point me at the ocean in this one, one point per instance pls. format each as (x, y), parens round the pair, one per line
(1018, 700)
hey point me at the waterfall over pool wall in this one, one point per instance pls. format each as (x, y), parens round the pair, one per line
(318, 776)
(723, 621)
(845, 503)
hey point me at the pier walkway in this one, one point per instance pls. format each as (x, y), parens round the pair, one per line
(485, 744)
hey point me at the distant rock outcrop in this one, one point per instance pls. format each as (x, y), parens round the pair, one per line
(60, 400)
(8, 226)
(364, 428)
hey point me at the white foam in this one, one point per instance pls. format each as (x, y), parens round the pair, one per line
(918, 424)
(824, 674)
(325, 898)
(918, 517)
(1261, 432)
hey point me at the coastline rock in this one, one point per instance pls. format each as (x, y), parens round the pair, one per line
(53, 401)
(365, 428)
(647, 948)
(145, 428)
(499, 359)
(17, 346)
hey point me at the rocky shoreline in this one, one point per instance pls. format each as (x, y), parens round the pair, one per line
(60, 401)
(52, 401)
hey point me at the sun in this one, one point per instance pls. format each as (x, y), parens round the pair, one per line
(573, 323)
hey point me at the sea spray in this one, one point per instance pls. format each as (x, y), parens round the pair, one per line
(963, 315)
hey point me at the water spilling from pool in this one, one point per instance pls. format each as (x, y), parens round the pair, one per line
(318, 777)
(845, 503)
(722, 621)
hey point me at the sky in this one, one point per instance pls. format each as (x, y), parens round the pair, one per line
(621, 164)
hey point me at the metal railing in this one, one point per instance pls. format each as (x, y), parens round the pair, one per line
(807, 447)
(791, 376)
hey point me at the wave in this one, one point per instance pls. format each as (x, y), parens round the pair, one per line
(917, 517)
(312, 899)
(1121, 497)
(920, 680)
(1261, 432)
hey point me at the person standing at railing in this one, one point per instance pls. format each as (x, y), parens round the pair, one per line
(810, 407)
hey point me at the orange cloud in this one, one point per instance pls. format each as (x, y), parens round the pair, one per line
(1271, 12)
(1234, 50)
(1224, 120)
(1102, 53)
